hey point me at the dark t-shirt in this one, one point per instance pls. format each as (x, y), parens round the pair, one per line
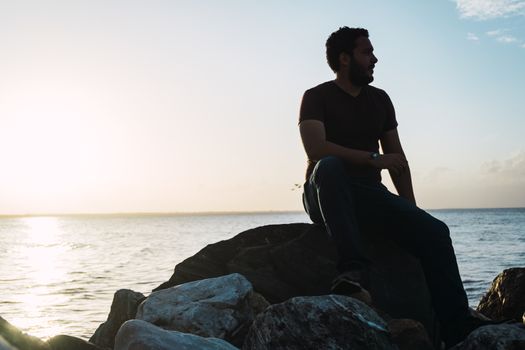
(352, 122)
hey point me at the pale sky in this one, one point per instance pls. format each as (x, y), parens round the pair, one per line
(184, 106)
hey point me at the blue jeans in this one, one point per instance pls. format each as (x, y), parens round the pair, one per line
(348, 207)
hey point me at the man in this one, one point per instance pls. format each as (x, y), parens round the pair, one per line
(341, 124)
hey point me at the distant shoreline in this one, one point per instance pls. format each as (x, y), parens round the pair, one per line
(211, 213)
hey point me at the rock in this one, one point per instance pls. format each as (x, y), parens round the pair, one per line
(141, 335)
(12, 338)
(284, 261)
(4, 345)
(319, 322)
(495, 337)
(505, 298)
(222, 307)
(477, 314)
(123, 308)
(250, 254)
(409, 334)
(16, 338)
(66, 342)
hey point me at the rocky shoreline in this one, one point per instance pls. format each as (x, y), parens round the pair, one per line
(268, 288)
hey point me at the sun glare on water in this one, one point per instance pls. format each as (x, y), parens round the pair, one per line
(43, 251)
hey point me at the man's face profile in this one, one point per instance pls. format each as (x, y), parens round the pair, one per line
(362, 62)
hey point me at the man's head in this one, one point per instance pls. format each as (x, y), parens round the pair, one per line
(349, 52)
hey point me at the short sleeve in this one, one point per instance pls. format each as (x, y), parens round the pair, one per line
(312, 107)
(390, 122)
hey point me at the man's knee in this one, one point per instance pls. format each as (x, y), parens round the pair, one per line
(329, 170)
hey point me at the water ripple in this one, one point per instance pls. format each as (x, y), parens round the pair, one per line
(63, 280)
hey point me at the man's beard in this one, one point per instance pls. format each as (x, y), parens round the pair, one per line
(358, 76)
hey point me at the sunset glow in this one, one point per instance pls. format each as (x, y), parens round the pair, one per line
(182, 107)
(44, 253)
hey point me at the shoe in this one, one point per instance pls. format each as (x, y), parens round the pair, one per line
(349, 283)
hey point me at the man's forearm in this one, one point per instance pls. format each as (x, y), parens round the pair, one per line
(403, 184)
(355, 157)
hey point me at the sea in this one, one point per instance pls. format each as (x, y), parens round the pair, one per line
(58, 274)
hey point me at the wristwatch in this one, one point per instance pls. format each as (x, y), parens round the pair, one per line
(374, 155)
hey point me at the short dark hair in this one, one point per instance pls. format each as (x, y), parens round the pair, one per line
(342, 40)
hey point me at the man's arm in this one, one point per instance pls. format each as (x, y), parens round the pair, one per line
(402, 180)
(313, 135)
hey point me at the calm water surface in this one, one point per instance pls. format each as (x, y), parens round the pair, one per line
(58, 274)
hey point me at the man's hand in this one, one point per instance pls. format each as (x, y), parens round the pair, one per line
(394, 162)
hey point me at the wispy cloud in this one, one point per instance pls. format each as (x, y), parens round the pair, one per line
(489, 9)
(492, 9)
(472, 37)
(510, 169)
(497, 32)
(501, 36)
(438, 175)
(507, 39)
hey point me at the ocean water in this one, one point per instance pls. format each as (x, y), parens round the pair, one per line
(58, 274)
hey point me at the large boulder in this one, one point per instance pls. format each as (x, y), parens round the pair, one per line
(495, 337)
(137, 334)
(256, 255)
(505, 298)
(319, 322)
(284, 261)
(18, 339)
(123, 308)
(222, 307)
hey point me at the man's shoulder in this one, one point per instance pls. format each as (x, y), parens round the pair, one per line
(375, 90)
(377, 94)
(330, 86)
(323, 87)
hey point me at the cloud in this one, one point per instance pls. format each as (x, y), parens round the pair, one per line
(489, 9)
(438, 174)
(510, 170)
(501, 36)
(497, 32)
(495, 183)
(492, 9)
(472, 37)
(507, 39)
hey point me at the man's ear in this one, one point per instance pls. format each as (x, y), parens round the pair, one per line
(344, 59)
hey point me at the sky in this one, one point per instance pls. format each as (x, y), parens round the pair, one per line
(187, 106)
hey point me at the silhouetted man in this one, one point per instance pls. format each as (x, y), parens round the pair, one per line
(342, 122)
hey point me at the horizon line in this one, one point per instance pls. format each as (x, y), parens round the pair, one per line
(157, 213)
(211, 212)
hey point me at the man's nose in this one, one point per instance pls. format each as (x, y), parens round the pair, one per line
(374, 58)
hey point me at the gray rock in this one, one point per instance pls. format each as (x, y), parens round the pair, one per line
(16, 338)
(495, 337)
(123, 308)
(505, 300)
(222, 307)
(141, 335)
(4, 345)
(319, 322)
(284, 261)
(66, 342)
